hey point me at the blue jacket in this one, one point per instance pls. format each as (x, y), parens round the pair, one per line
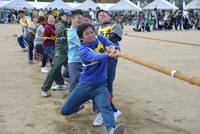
(94, 58)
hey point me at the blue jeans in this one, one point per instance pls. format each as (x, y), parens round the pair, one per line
(98, 93)
(66, 72)
(20, 41)
(50, 51)
(74, 69)
(111, 70)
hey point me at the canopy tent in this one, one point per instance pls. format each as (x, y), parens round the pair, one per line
(125, 5)
(105, 6)
(59, 4)
(86, 5)
(195, 4)
(160, 4)
(73, 4)
(39, 4)
(2, 2)
(18, 4)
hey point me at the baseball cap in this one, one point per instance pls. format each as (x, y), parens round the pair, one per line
(65, 12)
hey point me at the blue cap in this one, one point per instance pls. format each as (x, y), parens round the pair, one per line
(65, 12)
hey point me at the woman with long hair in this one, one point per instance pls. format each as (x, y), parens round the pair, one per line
(39, 49)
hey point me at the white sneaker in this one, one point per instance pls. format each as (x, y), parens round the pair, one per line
(66, 83)
(24, 49)
(98, 121)
(117, 114)
(59, 87)
(89, 101)
(44, 94)
(44, 70)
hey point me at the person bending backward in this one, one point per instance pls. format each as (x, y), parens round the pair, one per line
(24, 21)
(61, 49)
(29, 36)
(114, 33)
(92, 83)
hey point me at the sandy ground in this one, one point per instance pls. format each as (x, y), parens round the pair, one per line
(151, 102)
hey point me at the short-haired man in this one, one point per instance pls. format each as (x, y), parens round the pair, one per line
(92, 84)
(74, 60)
(24, 21)
(114, 33)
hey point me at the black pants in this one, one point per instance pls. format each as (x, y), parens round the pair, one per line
(174, 22)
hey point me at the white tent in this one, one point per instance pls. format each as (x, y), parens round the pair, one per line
(86, 5)
(160, 4)
(59, 4)
(18, 4)
(73, 4)
(125, 5)
(2, 2)
(105, 6)
(195, 4)
(39, 4)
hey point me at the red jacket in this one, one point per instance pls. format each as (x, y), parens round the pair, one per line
(49, 35)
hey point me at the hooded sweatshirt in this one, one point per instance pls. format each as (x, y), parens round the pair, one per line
(94, 58)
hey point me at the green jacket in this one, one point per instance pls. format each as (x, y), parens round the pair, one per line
(61, 46)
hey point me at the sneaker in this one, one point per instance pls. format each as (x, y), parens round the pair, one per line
(118, 129)
(117, 114)
(30, 61)
(59, 87)
(24, 49)
(89, 101)
(66, 83)
(75, 115)
(44, 70)
(98, 121)
(81, 107)
(44, 94)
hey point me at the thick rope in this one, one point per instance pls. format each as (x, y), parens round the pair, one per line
(163, 40)
(190, 79)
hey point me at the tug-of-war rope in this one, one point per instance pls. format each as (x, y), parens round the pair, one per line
(174, 73)
(163, 40)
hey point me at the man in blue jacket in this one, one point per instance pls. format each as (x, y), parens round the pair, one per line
(92, 83)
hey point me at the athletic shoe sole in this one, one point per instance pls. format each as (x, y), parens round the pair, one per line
(58, 89)
(119, 129)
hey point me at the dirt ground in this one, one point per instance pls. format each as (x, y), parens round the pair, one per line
(151, 102)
